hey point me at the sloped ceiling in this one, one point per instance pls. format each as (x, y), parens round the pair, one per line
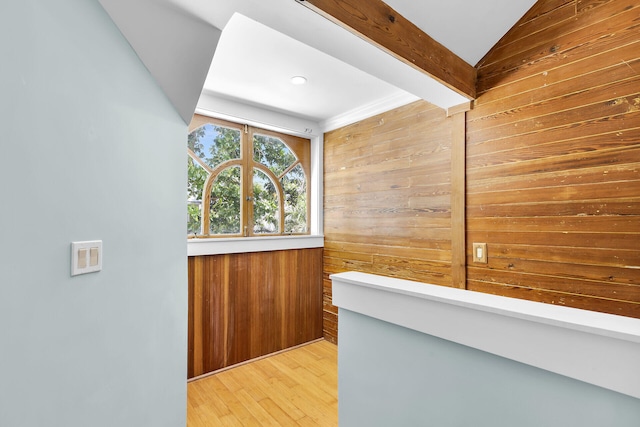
(469, 28)
(346, 72)
(176, 47)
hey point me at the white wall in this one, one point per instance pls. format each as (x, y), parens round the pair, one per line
(90, 148)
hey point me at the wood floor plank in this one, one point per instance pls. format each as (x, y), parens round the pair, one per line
(205, 390)
(258, 412)
(280, 386)
(294, 388)
(236, 408)
(283, 418)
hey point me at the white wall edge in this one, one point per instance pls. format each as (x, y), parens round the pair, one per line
(235, 245)
(396, 100)
(317, 185)
(597, 348)
(227, 109)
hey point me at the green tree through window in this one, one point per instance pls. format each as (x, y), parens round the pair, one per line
(254, 182)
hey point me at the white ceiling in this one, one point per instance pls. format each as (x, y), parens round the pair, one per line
(253, 62)
(273, 40)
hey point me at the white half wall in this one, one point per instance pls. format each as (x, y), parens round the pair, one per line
(597, 348)
(414, 354)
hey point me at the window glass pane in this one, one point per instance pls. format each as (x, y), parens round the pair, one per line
(215, 144)
(266, 216)
(294, 186)
(224, 210)
(273, 153)
(195, 183)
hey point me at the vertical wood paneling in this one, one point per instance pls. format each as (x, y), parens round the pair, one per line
(243, 306)
(553, 158)
(458, 216)
(387, 200)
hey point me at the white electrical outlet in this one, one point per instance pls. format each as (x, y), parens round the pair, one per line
(86, 257)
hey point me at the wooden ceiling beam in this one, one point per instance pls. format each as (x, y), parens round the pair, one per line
(379, 24)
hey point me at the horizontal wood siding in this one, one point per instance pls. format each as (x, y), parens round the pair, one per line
(243, 306)
(553, 158)
(387, 199)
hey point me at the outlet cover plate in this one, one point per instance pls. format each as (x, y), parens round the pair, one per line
(480, 253)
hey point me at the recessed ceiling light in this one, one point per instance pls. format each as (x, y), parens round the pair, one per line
(298, 80)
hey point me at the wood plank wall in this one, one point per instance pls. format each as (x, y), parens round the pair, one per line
(552, 171)
(243, 306)
(387, 199)
(553, 158)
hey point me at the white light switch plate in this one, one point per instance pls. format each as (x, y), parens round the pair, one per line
(81, 257)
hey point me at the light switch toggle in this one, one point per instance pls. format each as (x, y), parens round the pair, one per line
(86, 257)
(82, 258)
(93, 256)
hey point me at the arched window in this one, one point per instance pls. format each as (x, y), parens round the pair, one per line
(245, 181)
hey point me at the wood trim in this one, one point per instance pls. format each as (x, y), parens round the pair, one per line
(246, 198)
(380, 25)
(200, 120)
(255, 359)
(458, 191)
(460, 108)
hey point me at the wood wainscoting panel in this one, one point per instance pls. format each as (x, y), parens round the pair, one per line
(553, 158)
(243, 306)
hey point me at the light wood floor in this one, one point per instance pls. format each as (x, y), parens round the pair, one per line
(295, 388)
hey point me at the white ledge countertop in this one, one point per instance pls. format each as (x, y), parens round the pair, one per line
(597, 348)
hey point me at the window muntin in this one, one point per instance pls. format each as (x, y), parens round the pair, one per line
(253, 181)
